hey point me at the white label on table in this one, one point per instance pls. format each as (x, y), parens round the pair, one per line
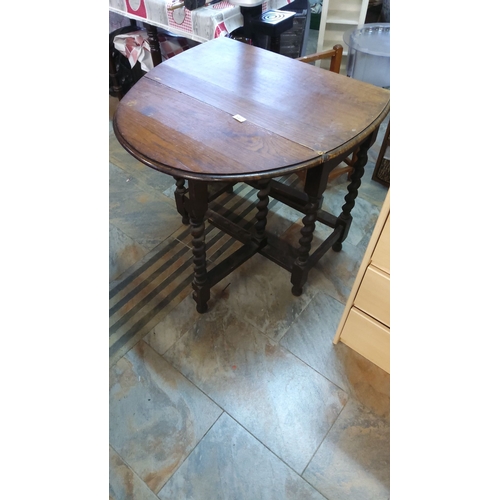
(239, 118)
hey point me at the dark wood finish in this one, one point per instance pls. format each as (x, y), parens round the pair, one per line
(180, 120)
(288, 127)
(235, 230)
(217, 189)
(154, 43)
(263, 195)
(315, 185)
(180, 200)
(222, 148)
(345, 218)
(280, 252)
(197, 209)
(116, 89)
(381, 172)
(298, 201)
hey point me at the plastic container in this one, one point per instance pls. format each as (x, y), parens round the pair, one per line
(369, 57)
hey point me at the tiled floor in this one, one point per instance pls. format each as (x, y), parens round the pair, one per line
(250, 400)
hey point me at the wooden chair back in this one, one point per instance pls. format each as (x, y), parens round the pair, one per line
(335, 56)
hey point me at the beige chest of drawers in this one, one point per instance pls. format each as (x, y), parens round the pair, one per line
(365, 323)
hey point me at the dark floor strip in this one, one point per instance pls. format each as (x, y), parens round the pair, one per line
(143, 284)
(148, 317)
(159, 307)
(167, 264)
(154, 258)
(136, 309)
(123, 284)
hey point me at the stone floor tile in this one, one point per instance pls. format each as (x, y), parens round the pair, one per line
(284, 403)
(280, 220)
(310, 338)
(145, 176)
(372, 191)
(173, 326)
(144, 215)
(260, 293)
(228, 464)
(156, 416)
(123, 252)
(353, 461)
(124, 483)
(335, 272)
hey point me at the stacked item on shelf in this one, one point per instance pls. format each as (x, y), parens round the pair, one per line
(316, 9)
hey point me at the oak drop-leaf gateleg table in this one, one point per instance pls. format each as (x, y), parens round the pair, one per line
(225, 112)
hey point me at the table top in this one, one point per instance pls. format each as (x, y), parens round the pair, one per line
(181, 118)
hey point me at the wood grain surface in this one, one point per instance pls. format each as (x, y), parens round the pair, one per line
(179, 118)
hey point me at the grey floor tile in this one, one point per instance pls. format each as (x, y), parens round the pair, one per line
(144, 215)
(173, 326)
(260, 293)
(281, 219)
(229, 464)
(278, 398)
(121, 185)
(123, 252)
(335, 272)
(310, 339)
(353, 461)
(124, 483)
(146, 177)
(371, 190)
(157, 417)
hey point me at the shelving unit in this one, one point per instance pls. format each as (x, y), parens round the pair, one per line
(337, 17)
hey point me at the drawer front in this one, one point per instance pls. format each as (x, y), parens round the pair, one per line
(382, 255)
(373, 296)
(368, 337)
